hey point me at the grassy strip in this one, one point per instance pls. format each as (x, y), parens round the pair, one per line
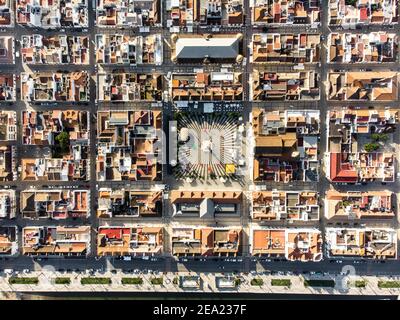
(319, 283)
(157, 281)
(132, 281)
(62, 280)
(257, 282)
(388, 284)
(23, 280)
(94, 280)
(360, 283)
(281, 282)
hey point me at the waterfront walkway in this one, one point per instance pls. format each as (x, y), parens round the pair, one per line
(209, 283)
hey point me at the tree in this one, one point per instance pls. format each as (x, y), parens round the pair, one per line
(351, 2)
(371, 147)
(345, 203)
(379, 137)
(63, 140)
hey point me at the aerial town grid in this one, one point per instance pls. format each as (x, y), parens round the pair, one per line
(302, 179)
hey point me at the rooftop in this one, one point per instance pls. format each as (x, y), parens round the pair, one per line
(285, 86)
(8, 241)
(57, 87)
(218, 47)
(361, 243)
(133, 50)
(44, 127)
(206, 204)
(6, 13)
(286, 12)
(129, 203)
(135, 240)
(7, 48)
(7, 87)
(341, 12)
(56, 241)
(124, 13)
(357, 145)
(286, 48)
(8, 125)
(363, 86)
(203, 86)
(8, 165)
(128, 145)
(362, 48)
(124, 87)
(205, 12)
(291, 243)
(359, 204)
(285, 205)
(206, 241)
(58, 49)
(52, 14)
(54, 204)
(8, 209)
(286, 145)
(68, 168)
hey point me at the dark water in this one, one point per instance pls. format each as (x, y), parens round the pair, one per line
(191, 296)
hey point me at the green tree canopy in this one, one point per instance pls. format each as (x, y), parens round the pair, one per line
(63, 140)
(371, 147)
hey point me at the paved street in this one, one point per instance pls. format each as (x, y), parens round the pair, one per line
(362, 268)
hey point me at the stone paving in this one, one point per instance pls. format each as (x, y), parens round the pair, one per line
(46, 284)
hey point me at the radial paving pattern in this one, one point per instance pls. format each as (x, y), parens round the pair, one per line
(207, 145)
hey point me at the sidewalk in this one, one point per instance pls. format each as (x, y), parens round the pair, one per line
(208, 280)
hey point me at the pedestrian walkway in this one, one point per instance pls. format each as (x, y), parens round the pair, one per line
(210, 282)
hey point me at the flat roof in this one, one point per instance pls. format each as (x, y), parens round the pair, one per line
(200, 47)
